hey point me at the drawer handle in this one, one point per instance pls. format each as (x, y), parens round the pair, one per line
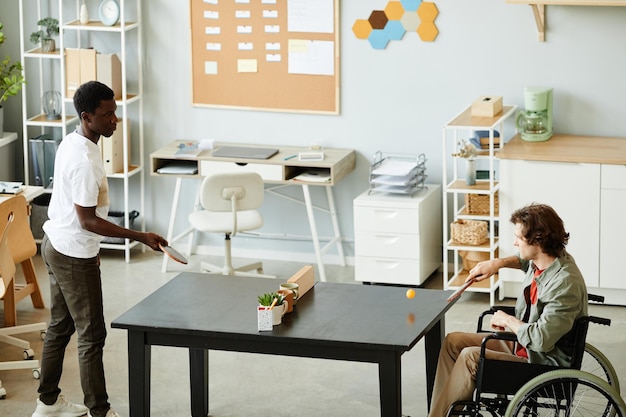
(387, 214)
(388, 239)
(387, 264)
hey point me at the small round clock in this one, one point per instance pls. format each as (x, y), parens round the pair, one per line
(109, 12)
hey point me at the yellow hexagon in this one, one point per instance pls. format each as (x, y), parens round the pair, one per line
(394, 10)
(427, 11)
(362, 28)
(427, 31)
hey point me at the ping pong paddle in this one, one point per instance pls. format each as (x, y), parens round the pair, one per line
(173, 254)
(458, 292)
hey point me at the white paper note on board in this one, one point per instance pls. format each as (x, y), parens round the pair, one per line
(310, 16)
(311, 57)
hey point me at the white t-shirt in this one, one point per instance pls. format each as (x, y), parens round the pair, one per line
(79, 178)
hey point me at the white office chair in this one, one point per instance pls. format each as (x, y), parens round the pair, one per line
(230, 202)
(7, 276)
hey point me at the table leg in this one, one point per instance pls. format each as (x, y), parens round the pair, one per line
(390, 384)
(199, 379)
(139, 358)
(314, 235)
(333, 217)
(432, 344)
(173, 213)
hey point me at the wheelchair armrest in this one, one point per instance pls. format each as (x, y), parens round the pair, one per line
(595, 298)
(508, 336)
(510, 310)
(600, 320)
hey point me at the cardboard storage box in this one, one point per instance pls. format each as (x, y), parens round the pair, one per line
(112, 149)
(109, 72)
(487, 106)
(82, 65)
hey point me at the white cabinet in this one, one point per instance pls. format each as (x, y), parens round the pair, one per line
(457, 192)
(47, 71)
(573, 190)
(612, 227)
(397, 238)
(584, 180)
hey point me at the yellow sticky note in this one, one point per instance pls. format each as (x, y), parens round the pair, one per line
(246, 65)
(298, 45)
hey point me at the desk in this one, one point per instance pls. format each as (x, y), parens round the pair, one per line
(30, 193)
(332, 321)
(279, 171)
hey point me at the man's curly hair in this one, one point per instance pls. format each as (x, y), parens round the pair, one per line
(542, 226)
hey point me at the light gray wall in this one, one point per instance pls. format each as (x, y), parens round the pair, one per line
(397, 99)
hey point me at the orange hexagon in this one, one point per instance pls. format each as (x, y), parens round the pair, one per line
(427, 31)
(394, 10)
(362, 28)
(427, 11)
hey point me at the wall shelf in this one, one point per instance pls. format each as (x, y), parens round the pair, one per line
(539, 9)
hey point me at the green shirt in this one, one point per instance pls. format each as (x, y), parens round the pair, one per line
(562, 298)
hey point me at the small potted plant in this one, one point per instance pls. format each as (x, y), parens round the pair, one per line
(268, 298)
(11, 79)
(275, 302)
(45, 36)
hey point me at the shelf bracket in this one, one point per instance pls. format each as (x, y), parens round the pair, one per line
(539, 10)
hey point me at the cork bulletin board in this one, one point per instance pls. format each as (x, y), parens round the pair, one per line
(278, 55)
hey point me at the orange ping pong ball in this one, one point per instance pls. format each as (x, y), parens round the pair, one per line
(410, 293)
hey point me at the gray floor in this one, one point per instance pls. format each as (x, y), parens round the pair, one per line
(247, 384)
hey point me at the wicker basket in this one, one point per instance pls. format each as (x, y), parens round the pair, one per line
(469, 232)
(479, 203)
(471, 258)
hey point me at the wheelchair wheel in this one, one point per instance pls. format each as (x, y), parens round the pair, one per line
(594, 362)
(566, 392)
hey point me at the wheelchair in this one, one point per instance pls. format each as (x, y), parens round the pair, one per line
(590, 388)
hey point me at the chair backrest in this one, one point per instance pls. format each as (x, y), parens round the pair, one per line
(232, 192)
(21, 240)
(7, 266)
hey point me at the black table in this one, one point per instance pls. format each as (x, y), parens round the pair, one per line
(363, 323)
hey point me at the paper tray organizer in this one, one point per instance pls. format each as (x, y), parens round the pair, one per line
(397, 174)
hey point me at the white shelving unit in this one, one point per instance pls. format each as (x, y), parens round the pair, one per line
(46, 71)
(455, 189)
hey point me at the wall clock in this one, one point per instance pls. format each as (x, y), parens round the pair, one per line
(109, 12)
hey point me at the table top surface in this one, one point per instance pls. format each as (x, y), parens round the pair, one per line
(225, 306)
(29, 193)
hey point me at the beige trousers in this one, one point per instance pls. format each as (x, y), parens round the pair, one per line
(458, 363)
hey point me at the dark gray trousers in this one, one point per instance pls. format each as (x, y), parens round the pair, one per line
(75, 305)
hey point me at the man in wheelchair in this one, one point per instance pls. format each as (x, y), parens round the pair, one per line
(554, 295)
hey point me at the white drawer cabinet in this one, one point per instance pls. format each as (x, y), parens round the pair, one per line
(397, 238)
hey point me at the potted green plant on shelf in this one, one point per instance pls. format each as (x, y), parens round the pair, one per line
(11, 80)
(45, 36)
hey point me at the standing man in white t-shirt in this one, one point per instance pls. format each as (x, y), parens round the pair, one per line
(78, 212)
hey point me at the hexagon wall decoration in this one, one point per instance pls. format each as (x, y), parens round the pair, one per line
(397, 18)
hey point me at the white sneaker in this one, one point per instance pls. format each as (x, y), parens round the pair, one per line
(61, 408)
(111, 413)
